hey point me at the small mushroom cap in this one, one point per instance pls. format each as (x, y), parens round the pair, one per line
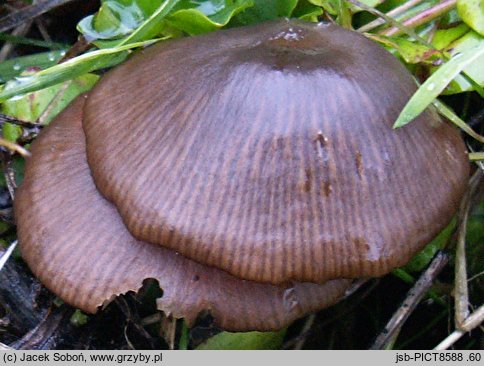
(268, 152)
(75, 242)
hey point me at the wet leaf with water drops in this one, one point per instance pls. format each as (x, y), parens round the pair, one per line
(31, 106)
(14, 67)
(117, 19)
(68, 70)
(196, 17)
(436, 83)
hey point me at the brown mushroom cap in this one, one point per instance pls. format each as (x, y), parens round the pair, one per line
(75, 242)
(268, 152)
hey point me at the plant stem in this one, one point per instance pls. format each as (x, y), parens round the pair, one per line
(449, 114)
(21, 16)
(392, 13)
(14, 147)
(407, 278)
(6, 255)
(474, 320)
(476, 156)
(423, 17)
(408, 30)
(414, 296)
(461, 293)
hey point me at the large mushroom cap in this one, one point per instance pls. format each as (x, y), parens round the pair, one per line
(76, 243)
(268, 152)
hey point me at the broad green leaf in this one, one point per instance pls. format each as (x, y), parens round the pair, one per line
(332, 5)
(152, 25)
(124, 18)
(196, 17)
(444, 37)
(307, 11)
(244, 341)
(472, 13)
(68, 70)
(120, 22)
(475, 70)
(265, 10)
(31, 106)
(117, 18)
(150, 19)
(10, 131)
(15, 66)
(343, 12)
(436, 83)
(372, 3)
(328, 5)
(411, 52)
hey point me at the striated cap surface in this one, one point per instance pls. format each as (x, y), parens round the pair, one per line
(268, 152)
(75, 242)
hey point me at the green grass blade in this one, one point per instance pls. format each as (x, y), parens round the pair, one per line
(435, 84)
(15, 66)
(150, 26)
(70, 69)
(450, 115)
(32, 42)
